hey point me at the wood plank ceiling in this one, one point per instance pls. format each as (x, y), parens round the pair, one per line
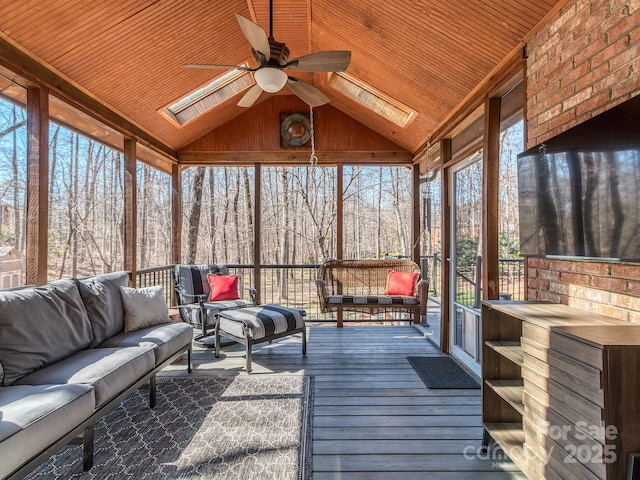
(426, 54)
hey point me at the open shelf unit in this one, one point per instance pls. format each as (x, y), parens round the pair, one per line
(502, 384)
(548, 367)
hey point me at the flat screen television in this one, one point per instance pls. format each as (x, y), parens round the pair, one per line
(579, 192)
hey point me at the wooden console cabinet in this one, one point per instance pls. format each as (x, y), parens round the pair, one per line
(560, 389)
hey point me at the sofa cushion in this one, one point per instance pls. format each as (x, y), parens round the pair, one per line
(143, 307)
(165, 339)
(108, 370)
(35, 416)
(39, 326)
(101, 296)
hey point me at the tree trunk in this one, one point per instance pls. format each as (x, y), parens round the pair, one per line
(395, 188)
(225, 218)
(144, 216)
(212, 214)
(236, 216)
(194, 215)
(249, 213)
(74, 204)
(379, 217)
(17, 218)
(284, 245)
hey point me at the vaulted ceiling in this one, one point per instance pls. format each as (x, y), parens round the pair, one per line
(128, 54)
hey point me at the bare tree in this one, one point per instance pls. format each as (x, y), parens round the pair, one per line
(284, 245)
(248, 208)
(18, 233)
(194, 216)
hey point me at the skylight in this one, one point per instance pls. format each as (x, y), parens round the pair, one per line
(372, 99)
(211, 95)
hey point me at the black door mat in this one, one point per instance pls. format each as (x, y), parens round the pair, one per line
(442, 372)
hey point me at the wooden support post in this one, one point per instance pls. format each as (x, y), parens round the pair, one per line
(37, 185)
(445, 304)
(130, 209)
(257, 239)
(340, 230)
(415, 224)
(490, 189)
(415, 215)
(176, 214)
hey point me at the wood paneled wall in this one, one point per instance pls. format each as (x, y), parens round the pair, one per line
(258, 131)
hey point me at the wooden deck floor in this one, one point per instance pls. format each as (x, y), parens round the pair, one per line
(373, 417)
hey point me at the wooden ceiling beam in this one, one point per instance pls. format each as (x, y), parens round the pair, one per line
(399, 158)
(17, 60)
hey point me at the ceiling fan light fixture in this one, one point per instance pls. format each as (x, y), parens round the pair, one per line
(270, 79)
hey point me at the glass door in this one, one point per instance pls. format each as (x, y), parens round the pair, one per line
(465, 261)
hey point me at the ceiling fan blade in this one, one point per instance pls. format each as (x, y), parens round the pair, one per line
(309, 94)
(251, 96)
(255, 35)
(211, 65)
(331, 61)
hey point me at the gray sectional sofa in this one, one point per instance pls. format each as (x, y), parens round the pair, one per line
(69, 352)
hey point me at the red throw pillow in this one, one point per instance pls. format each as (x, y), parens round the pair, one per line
(223, 287)
(401, 283)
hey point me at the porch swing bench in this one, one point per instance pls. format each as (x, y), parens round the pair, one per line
(360, 286)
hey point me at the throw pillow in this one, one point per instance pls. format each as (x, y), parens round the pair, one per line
(103, 301)
(401, 283)
(143, 307)
(223, 287)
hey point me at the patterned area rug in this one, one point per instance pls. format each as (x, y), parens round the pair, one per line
(202, 427)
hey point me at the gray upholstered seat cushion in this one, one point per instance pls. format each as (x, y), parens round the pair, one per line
(261, 321)
(213, 308)
(33, 417)
(101, 296)
(39, 326)
(108, 370)
(165, 339)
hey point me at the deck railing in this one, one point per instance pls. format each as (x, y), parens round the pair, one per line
(469, 281)
(294, 285)
(158, 276)
(289, 285)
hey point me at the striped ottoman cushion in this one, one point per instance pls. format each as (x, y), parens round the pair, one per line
(262, 321)
(371, 300)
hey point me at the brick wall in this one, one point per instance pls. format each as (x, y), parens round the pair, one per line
(583, 62)
(611, 289)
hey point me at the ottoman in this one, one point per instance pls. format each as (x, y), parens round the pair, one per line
(259, 324)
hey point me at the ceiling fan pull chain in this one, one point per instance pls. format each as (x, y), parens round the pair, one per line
(313, 160)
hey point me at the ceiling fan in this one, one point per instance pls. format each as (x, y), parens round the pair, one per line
(273, 58)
